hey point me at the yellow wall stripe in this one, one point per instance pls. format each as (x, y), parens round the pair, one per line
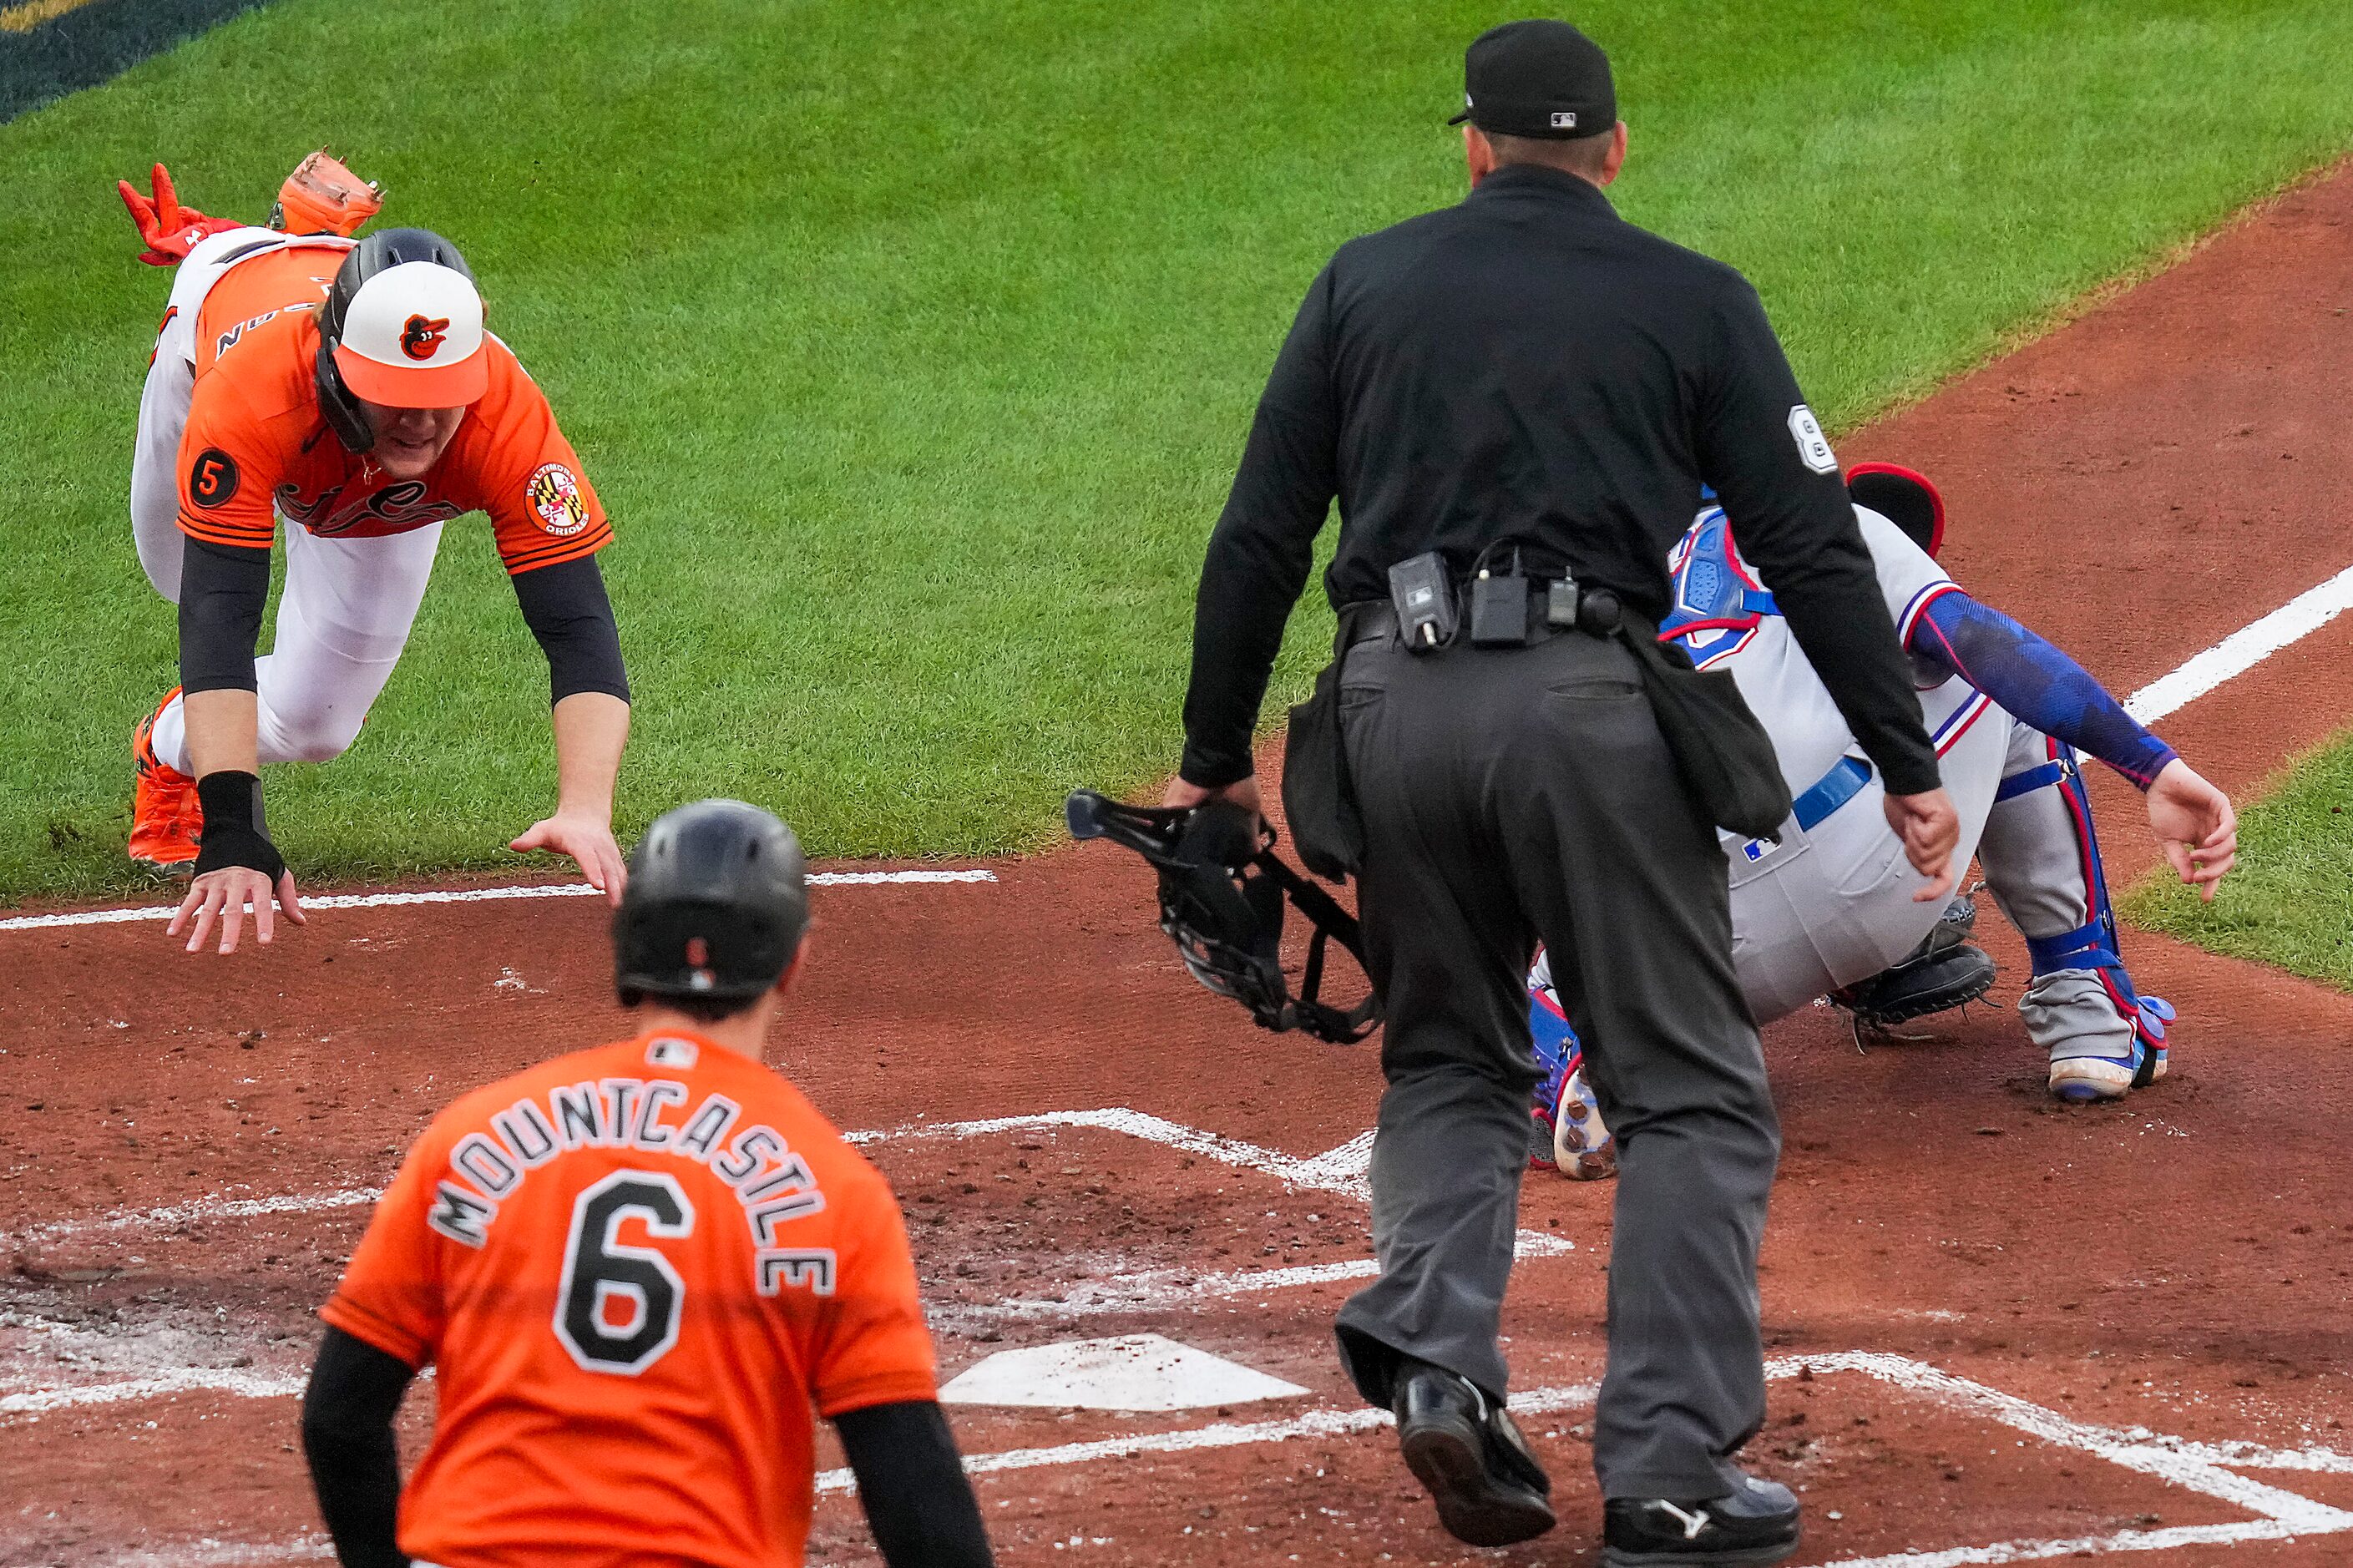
(25, 18)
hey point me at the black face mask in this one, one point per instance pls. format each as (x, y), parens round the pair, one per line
(1222, 893)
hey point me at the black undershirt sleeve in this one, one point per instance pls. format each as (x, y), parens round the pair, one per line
(1790, 514)
(567, 610)
(223, 588)
(355, 1391)
(917, 1500)
(1264, 547)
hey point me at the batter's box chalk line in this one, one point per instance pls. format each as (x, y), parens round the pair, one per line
(478, 896)
(1340, 1170)
(2280, 1515)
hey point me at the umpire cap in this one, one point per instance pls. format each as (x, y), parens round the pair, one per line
(716, 905)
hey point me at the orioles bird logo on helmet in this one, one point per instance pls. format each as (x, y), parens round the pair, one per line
(421, 337)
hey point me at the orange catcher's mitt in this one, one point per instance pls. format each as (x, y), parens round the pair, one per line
(321, 197)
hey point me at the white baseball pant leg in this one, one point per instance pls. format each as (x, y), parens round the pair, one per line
(155, 457)
(1834, 906)
(343, 620)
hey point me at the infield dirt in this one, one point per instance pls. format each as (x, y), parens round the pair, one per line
(2135, 486)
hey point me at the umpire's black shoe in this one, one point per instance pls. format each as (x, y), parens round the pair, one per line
(1755, 1525)
(1460, 1444)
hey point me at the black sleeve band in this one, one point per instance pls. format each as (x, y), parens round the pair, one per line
(567, 608)
(232, 831)
(222, 590)
(347, 1412)
(917, 1500)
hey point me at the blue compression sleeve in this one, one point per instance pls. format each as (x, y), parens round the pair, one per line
(2036, 682)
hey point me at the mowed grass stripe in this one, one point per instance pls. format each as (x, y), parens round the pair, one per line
(911, 346)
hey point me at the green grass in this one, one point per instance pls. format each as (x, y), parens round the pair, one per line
(2289, 900)
(911, 346)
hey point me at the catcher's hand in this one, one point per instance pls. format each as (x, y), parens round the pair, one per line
(169, 229)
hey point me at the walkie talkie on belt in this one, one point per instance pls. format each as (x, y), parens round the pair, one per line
(1499, 606)
(1423, 597)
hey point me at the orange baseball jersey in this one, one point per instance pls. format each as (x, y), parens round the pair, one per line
(636, 1268)
(255, 440)
(260, 288)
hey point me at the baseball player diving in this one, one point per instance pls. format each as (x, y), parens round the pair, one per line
(1831, 909)
(348, 386)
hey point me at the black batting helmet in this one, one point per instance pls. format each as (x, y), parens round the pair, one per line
(716, 905)
(378, 253)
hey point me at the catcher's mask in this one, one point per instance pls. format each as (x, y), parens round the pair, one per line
(1222, 889)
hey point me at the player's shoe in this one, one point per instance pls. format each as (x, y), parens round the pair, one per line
(2104, 1042)
(165, 819)
(1750, 1527)
(1460, 1444)
(1583, 1149)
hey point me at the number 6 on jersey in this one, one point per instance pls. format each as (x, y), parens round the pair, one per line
(599, 1272)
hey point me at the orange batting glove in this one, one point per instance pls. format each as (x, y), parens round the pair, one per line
(170, 229)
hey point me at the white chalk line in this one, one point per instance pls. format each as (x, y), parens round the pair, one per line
(476, 896)
(1190, 1439)
(2192, 678)
(2242, 649)
(1340, 1170)
(2283, 1515)
(181, 1380)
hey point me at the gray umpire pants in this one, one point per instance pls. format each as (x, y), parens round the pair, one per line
(1515, 794)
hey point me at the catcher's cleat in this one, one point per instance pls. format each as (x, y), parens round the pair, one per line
(2103, 1046)
(1583, 1148)
(1941, 973)
(165, 817)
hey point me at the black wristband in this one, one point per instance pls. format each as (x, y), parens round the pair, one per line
(231, 835)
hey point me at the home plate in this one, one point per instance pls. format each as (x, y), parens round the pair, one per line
(1134, 1371)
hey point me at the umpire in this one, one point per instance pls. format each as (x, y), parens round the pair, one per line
(1518, 399)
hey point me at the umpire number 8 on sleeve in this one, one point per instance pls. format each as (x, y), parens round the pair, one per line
(617, 1308)
(1813, 447)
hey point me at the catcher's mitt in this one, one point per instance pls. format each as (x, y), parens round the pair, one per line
(1943, 972)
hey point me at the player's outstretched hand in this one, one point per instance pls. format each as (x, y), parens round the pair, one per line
(2195, 823)
(169, 229)
(1931, 830)
(221, 896)
(589, 842)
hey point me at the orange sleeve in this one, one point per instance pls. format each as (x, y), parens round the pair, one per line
(391, 1293)
(526, 476)
(227, 469)
(873, 1347)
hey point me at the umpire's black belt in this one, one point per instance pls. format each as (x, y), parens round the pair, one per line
(1375, 620)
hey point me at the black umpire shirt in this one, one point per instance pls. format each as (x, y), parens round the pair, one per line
(1529, 367)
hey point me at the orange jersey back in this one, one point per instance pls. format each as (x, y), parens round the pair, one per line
(255, 440)
(637, 1268)
(256, 290)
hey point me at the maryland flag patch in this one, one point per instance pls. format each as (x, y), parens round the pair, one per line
(555, 498)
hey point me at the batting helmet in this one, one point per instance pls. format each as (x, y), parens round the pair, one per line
(402, 327)
(716, 905)
(1904, 497)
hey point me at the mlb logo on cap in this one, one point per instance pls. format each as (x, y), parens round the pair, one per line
(1563, 119)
